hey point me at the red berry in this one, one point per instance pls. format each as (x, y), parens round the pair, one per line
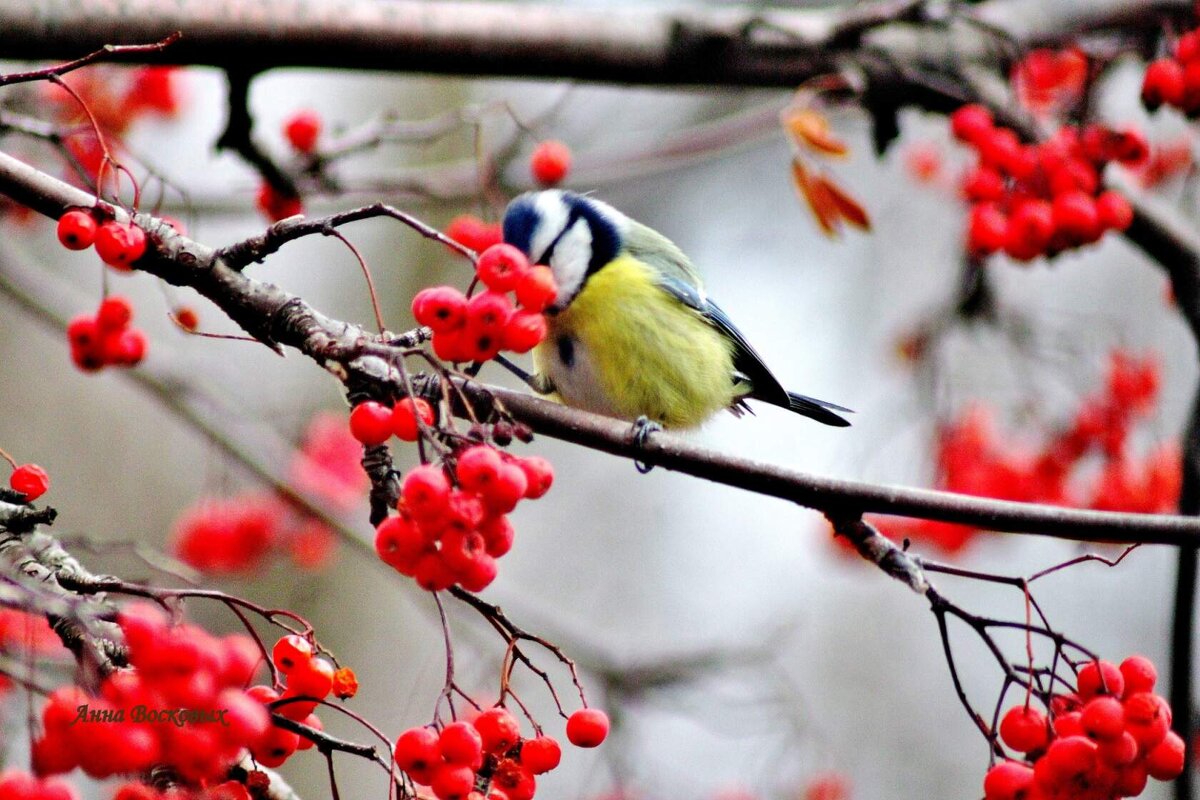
(480, 573)
(1100, 677)
(120, 244)
(502, 495)
(432, 573)
(345, 683)
(501, 266)
(539, 475)
(498, 730)
(399, 544)
(417, 749)
(587, 727)
(478, 467)
(1121, 751)
(442, 308)
(77, 229)
(1103, 718)
(472, 232)
(536, 289)
(460, 550)
(1166, 760)
(127, 348)
(425, 492)
(1024, 729)
(999, 148)
(453, 345)
(1114, 210)
(983, 184)
(1139, 674)
(404, 417)
(275, 205)
(314, 722)
(1148, 718)
(464, 510)
(971, 123)
(452, 781)
(460, 743)
(987, 229)
(488, 312)
(1076, 215)
(29, 480)
(1069, 757)
(302, 130)
(497, 535)
(83, 332)
(1029, 230)
(275, 748)
(524, 331)
(371, 422)
(311, 678)
(187, 318)
(290, 652)
(1008, 780)
(1163, 83)
(550, 162)
(540, 755)
(114, 314)
(1187, 48)
(514, 780)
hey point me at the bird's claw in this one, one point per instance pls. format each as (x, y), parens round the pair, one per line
(643, 426)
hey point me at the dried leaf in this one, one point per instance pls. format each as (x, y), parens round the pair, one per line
(820, 202)
(811, 129)
(847, 207)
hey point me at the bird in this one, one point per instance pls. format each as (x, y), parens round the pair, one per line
(631, 332)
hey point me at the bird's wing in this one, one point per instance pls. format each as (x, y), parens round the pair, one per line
(661, 254)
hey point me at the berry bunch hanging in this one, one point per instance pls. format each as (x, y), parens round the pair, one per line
(106, 338)
(489, 751)
(180, 703)
(1175, 80)
(1029, 200)
(477, 328)
(1103, 741)
(453, 522)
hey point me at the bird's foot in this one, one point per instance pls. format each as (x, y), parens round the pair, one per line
(643, 427)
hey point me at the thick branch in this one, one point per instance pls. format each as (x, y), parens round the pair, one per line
(712, 46)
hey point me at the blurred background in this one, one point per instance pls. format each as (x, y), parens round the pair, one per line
(738, 649)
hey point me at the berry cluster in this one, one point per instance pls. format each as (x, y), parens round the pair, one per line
(119, 244)
(328, 463)
(176, 673)
(229, 790)
(452, 534)
(974, 458)
(490, 750)
(1041, 199)
(231, 535)
(106, 339)
(1103, 741)
(1175, 80)
(18, 785)
(1047, 80)
(29, 480)
(479, 327)
(550, 162)
(307, 675)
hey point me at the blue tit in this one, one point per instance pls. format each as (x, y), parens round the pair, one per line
(631, 332)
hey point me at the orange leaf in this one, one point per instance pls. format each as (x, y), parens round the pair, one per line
(811, 128)
(820, 202)
(847, 207)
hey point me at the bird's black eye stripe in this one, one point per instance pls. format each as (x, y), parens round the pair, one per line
(566, 350)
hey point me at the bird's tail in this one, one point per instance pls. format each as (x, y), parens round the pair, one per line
(819, 410)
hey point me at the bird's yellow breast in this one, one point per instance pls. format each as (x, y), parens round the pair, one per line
(626, 348)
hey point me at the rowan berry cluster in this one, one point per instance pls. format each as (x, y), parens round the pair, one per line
(119, 244)
(1041, 199)
(487, 757)
(180, 704)
(974, 458)
(477, 328)
(452, 533)
(29, 480)
(550, 162)
(106, 338)
(1175, 80)
(231, 535)
(18, 785)
(229, 790)
(308, 676)
(1103, 741)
